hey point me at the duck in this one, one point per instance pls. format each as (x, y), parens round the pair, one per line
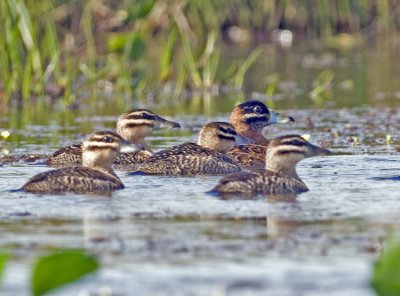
(133, 126)
(250, 119)
(94, 175)
(279, 176)
(207, 157)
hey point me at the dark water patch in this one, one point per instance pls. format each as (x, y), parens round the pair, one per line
(387, 178)
(24, 158)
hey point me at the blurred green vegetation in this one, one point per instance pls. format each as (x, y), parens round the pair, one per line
(386, 273)
(3, 260)
(64, 50)
(56, 269)
(59, 268)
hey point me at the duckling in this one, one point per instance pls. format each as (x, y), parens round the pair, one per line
(206, 157)
(133, 126)
(279, 176)
(94, 175)
(249, 119)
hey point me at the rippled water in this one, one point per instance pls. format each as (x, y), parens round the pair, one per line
(165, 236)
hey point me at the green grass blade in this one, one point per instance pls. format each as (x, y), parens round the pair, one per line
(166, 57)
(251, 59)
(4, 256)
(190, 61)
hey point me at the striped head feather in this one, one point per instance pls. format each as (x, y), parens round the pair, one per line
(249, 119)
(285, 152)
(219, 136)
(136, 124)
(101, 148)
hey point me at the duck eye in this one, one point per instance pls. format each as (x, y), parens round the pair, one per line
(107, 139)
(144, 115)
(257, 109)
(297, 143)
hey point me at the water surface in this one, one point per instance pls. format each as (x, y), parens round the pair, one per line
(165, 235)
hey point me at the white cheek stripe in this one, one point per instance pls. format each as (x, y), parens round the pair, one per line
(135, 121)
(226, 135)
(290, 148)
(100, 144)
(252, 115)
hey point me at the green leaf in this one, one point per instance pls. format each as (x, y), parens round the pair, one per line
(116, 42)
(133, 45)
(140, 10)
(60, 268)
(386, 274)
(137, 47)
(4, 256)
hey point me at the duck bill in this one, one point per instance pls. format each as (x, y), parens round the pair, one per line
(163, 123)
(277, 118)
(318, 151)
(126, 147)
(242, 140)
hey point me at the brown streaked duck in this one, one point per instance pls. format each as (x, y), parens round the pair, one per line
(279, 175)
(133, 126)
(207, 157)
(249, 119)
(95, 175)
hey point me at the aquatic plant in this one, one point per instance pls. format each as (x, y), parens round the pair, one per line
(4, 256)
(321, 86)
(57, 49)
(56, 269)
(386, 273)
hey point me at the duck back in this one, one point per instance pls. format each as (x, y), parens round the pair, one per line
(76, 179)
(72, 155)
(188, 159)
(259, 182)
(249, 156)
(69, 155)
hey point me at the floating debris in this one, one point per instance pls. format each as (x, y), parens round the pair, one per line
(355, 141)
(388, 139)
(5, 134)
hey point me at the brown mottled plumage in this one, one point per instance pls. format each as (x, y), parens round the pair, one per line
(73, 155)
(250, 156)
(132, 158)
(249, 119)
(66, 156)
(206, 157)
(133, 127)
(77, 179)
(95, 174)
(279, 175)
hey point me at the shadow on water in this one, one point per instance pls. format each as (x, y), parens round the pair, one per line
(389, 178)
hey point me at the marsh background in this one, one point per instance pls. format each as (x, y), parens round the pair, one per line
(70, 67)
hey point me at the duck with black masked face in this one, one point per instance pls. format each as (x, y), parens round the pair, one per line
(250, 119)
